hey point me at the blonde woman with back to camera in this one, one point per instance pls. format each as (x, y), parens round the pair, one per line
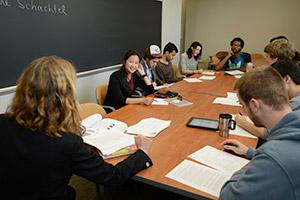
(41, 144)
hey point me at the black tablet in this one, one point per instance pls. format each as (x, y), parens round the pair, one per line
(203, 123)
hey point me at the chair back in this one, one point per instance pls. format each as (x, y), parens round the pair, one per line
(101, 93)
(257, 56)
(87, 109)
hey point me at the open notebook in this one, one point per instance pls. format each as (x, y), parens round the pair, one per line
(107, 135)
(110, 135)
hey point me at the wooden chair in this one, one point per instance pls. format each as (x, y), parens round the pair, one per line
(257, 56)
(85, 110)
(100, 96)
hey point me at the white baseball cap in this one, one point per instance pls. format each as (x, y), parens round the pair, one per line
(154, 51)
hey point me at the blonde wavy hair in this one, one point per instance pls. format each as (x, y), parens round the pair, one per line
(281, 49)
(45, 97)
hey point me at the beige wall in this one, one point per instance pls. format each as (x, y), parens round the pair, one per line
(215, 22)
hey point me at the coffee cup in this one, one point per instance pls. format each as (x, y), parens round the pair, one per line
(226, 123)
(249, 66)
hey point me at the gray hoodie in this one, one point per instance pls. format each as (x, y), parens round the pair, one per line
(274, 171)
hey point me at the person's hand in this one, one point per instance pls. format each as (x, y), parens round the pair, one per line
(235, 146)
(199, 71)
(154, 84)
(230, 53)
(241, 119)
(147, 100)
(141, 70)
(143, 143)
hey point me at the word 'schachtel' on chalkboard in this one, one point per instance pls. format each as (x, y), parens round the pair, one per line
(90, 33)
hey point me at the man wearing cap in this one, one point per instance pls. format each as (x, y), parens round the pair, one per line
(149, 62)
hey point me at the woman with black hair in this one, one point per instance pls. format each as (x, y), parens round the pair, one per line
(126, 87)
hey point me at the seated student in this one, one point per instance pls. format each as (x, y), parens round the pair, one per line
(189, 59)
(297, 54)
(164, 69)
(125, 85)
(41, 145)
(279, 49)
(234, 58)
(290, 72)
(273, 172)
(149, 62)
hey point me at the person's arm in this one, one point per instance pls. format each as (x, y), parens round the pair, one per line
(257, 181)
(92, 167)
(160, 73)
(221, 64)
(143, 100)
(254, 130)
(143, 74)
(156, 78)
(115, 97)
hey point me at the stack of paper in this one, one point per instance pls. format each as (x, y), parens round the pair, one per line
(208, 179)
(235, 72)
(240, 131)
(220, 160)
(231, 100)
(159, 101)
(207, 78)
(180, 103)
(208, 72)
(199, 176)
(149, 127)
(192, 80)
(110, 142)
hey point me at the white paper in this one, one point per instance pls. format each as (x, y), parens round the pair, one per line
(192, 80)
(238, 76)
(207, 78)
(219, 160)
(234, 72)
(207, 72)
(180, 103)
(240, 131)
(110, 142)
(198, 176)
(232, 96)
(94, 124)
(106, 134)
(159, 101)
(226, 101)
(149, 127)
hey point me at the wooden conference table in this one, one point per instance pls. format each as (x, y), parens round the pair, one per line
(175, 143)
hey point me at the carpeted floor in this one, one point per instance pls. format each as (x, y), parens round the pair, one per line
(85, 189)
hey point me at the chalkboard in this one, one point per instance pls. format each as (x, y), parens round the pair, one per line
(89, 33)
